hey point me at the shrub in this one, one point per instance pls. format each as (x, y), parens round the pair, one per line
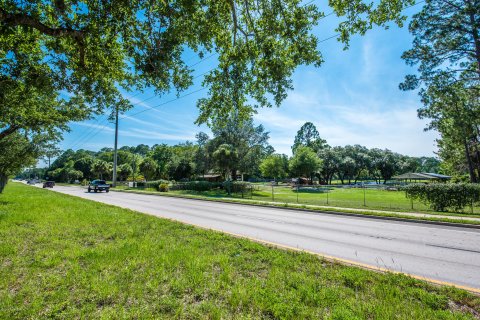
(163, 187)
(140, 184)
(196, 186)
(155, 184)
(236, 186)
(444, 196)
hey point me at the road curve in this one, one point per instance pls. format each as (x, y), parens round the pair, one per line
(439, 253)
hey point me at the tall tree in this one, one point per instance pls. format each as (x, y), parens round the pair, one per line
(148, 167)
(389, 165)
(162, 154)
(446, 49)
(249, 142)
(226, 158)
(273, 167)
(305, 163)
(51, 151)
(202, 157)
(455, 112)
(17, 152)
(85, 165)
(330, 158)
(308, 136)
(101, 168)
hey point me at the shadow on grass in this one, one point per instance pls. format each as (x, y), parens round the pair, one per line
(312, 190)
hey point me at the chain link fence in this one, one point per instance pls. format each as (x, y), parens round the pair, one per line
(358, 196)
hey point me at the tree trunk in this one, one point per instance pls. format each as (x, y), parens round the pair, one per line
(3, 181)
(473, 177)
(475, 36)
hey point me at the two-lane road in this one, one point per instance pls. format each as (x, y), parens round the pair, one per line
(441, 253)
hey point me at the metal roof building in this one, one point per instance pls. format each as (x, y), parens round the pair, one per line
(421, 176)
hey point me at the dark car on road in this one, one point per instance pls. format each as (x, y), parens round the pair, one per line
(48, 184)
(98, 186)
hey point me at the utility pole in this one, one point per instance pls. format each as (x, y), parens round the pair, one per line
(114, 178)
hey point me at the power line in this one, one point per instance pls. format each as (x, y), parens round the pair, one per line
(192, 65)
(92, 132)
(95, 131)
(164, 103)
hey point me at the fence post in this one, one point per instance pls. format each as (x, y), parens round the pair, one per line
(364, 197)
(327, 194)
(411, 201)
(273, 197)
(297, 192)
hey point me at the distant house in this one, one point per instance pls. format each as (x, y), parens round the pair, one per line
(300, 180)
(212, 177)
(425, 176)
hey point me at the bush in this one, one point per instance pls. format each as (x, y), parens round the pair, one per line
(163, 187)
(236, 186)
(444, 196)
(196, 186)
(155, 184)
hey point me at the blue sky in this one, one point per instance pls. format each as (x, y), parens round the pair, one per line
(353, 98)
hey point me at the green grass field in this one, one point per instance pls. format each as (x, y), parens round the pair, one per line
(65, 257)
(341, 197)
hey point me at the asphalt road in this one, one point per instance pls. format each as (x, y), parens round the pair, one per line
(441, 253)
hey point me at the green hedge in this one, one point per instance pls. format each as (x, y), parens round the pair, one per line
(445, 196)
(236, 186)
(228, 186)
(196, 186)
(155, 184)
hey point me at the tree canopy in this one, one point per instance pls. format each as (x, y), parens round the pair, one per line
(308, 136)
(67, 60)
(446, 48)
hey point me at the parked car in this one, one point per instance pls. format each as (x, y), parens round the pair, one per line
(31, 182)
(49, 184)
(98, 186)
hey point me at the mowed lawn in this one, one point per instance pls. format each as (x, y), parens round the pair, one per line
(65, 257)
(338, 196)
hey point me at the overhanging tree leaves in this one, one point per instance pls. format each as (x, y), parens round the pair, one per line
(94, 49)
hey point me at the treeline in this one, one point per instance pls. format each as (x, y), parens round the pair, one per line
(236, 151)
(235, 147)
(313, 157)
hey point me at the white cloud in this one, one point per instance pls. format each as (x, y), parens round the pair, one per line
(152, 135)
(95, 126)
(396, 128)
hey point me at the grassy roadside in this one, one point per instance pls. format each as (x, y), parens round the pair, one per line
(439, 217)
(65, 257)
